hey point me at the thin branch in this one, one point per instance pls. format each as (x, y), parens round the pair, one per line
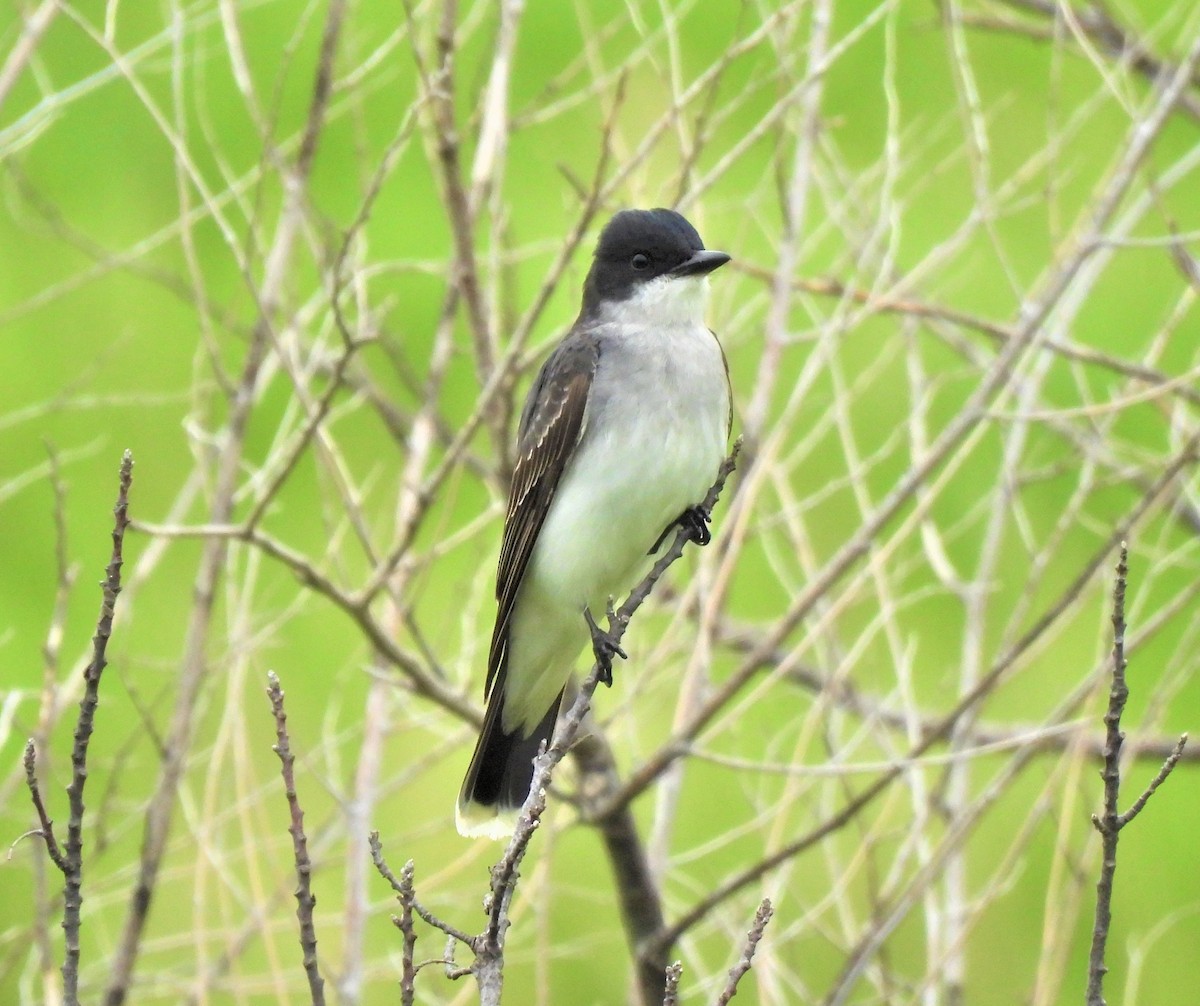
(305, 899)
(45, 824)
(397, 886)
(944, 454)
(738, 971)
(1091, 23)
(405, 891)
(35, 27)
(71, 860)
(671, 985)
(938, 731)
(1167, 767)
(1111, 821)
(1109, 824)
(404, 922)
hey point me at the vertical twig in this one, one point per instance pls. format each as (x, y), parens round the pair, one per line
(1111, 821)
(1108, 823)
(73, 894)
(461, 212)
(405, 891)
(305, 899)
(51, 653)
(69, 859)
(671, 985)
(404, 922)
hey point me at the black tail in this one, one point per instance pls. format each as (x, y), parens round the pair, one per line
(501, 770)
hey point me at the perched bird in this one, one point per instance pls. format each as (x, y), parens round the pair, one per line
(621, 436)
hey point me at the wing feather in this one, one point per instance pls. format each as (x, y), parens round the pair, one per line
(551, 425)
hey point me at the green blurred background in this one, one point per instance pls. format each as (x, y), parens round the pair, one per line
(140, 192)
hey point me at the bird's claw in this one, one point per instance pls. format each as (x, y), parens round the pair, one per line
(604, 646)
(694, 521)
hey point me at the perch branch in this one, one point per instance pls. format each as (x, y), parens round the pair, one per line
(489, 945)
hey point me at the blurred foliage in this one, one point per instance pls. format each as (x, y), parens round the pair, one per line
(139, 201)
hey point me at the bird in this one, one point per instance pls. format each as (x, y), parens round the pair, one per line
(621, 435)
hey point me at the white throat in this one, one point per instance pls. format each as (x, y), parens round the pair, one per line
(664, 302)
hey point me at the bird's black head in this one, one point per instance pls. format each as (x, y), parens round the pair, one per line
(638, 246)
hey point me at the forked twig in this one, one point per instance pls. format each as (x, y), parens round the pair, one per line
(69, 858)
(1110, 822)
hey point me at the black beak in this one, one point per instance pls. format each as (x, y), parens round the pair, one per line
(700, 263)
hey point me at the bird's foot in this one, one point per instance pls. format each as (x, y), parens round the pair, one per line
(694, 521)
(604, 646)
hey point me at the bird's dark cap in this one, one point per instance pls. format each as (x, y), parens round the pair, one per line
(640, 245)
(660, 231)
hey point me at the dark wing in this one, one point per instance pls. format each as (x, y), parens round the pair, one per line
(550, 427)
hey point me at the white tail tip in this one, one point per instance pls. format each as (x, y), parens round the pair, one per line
(474, 820)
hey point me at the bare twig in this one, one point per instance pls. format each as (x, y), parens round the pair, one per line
(305, 899)
(1160, 777)
(404, 922)
(1111, 821)
(671, 985)
(69, 859)
(73, 895)
(1090, 24)
(738, 971)
(936, 732)
(208, 577)
(405, 892)
(46, 825)
(943, 452)
(1109, 824)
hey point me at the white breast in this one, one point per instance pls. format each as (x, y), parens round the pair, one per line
(655, 433)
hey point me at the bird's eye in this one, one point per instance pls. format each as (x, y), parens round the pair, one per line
(640, 261)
